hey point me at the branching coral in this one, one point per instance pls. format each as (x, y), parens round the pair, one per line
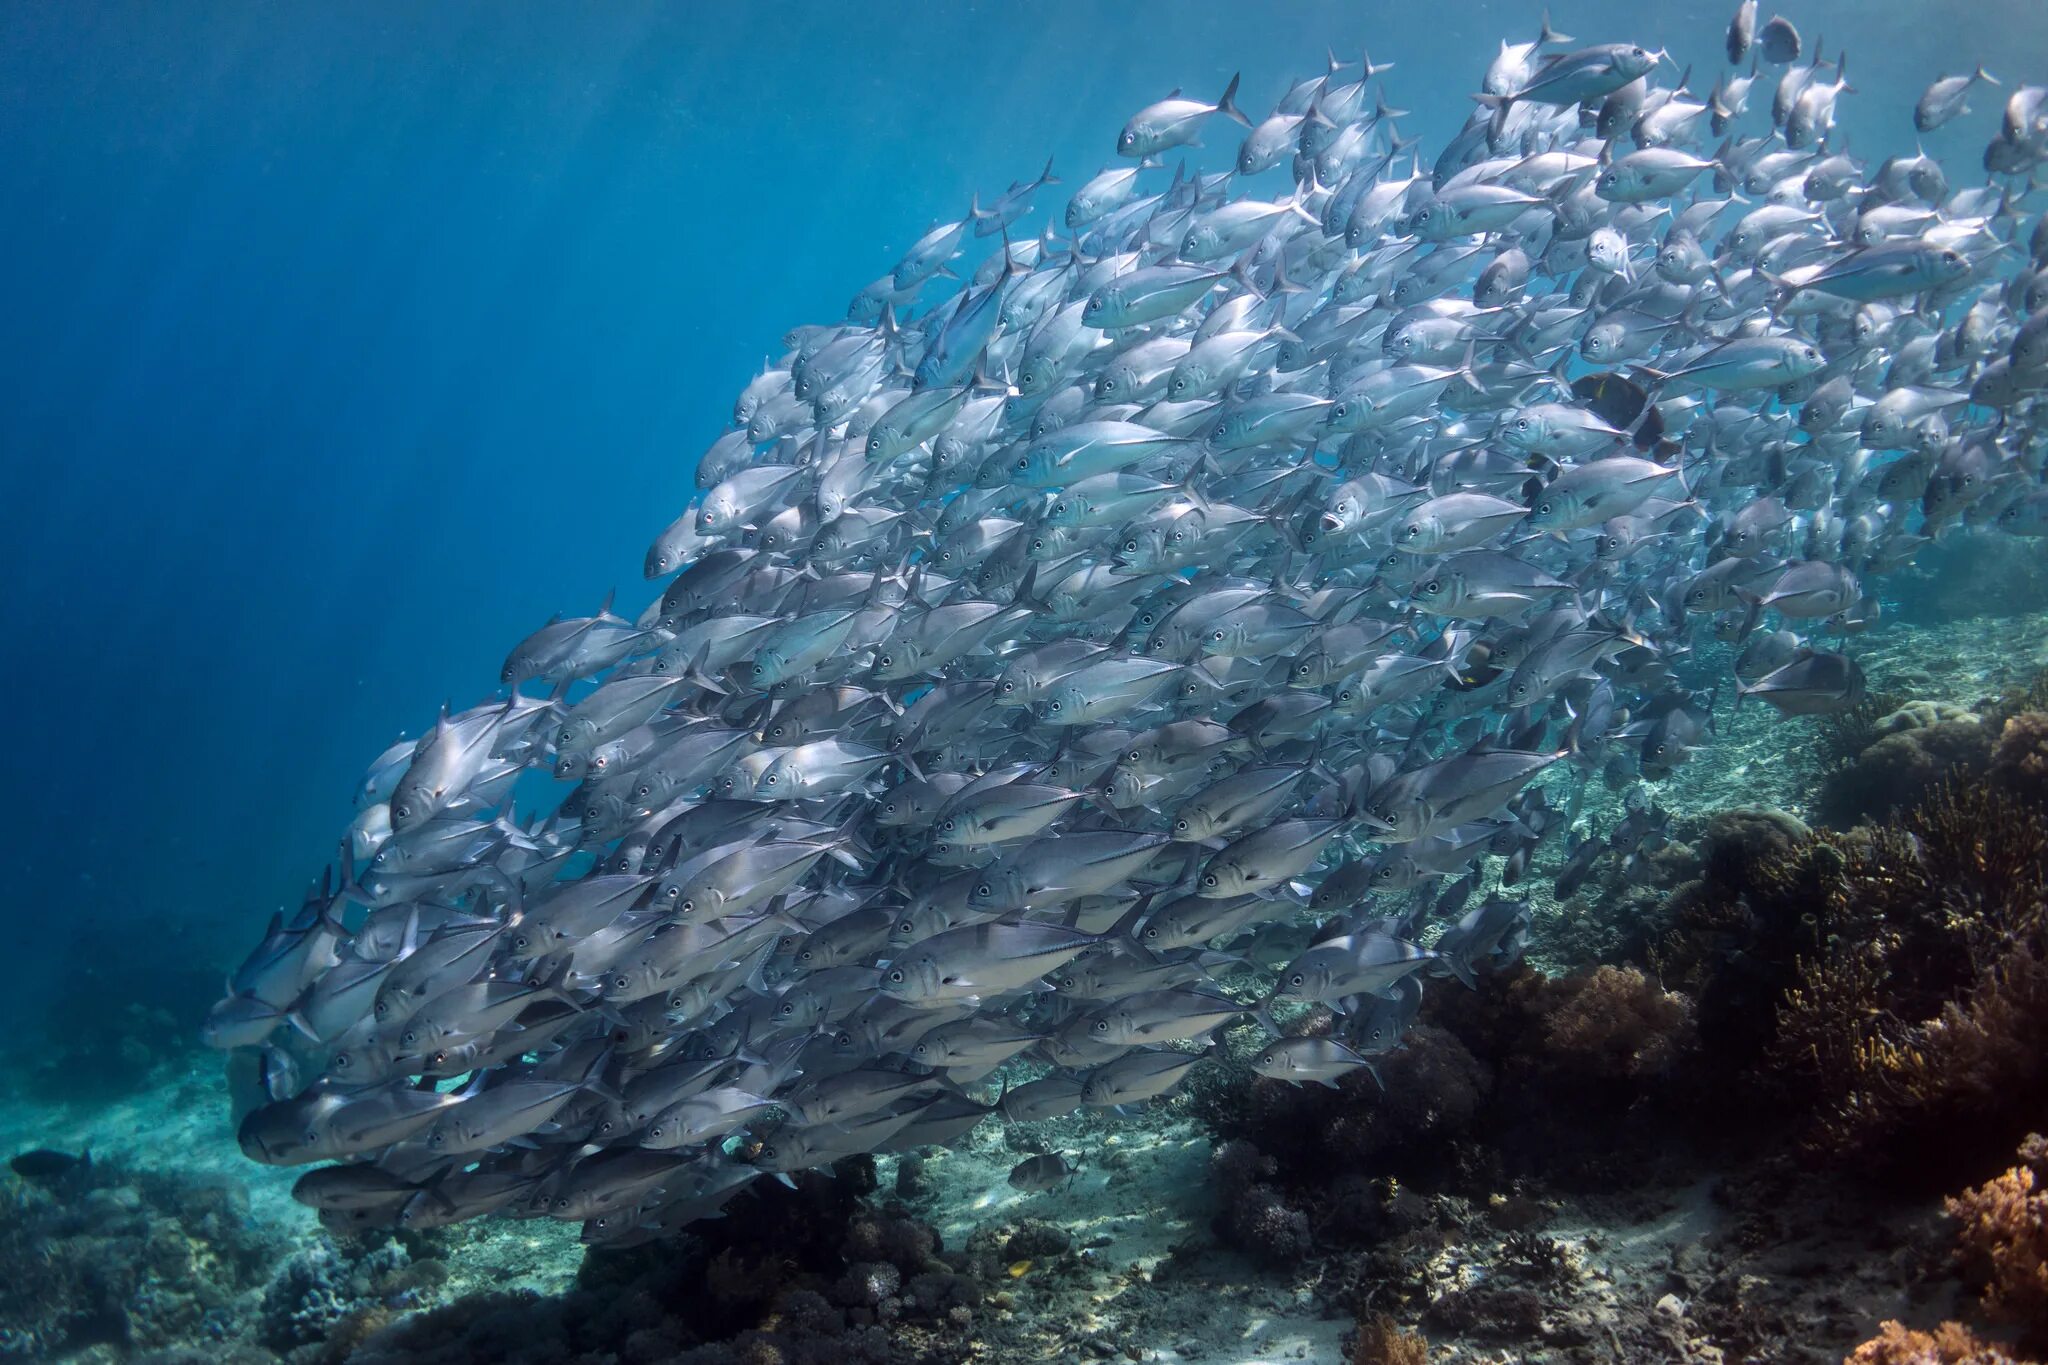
(1379, 1340)
(1949, 1344)
(1887, 984)
(2002, 1235)
(1614, 1025)
(1915, 1018)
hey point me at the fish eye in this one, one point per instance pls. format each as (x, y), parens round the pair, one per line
(1023, 465)
(688, 906)
(343, 1060)
(1296, 980)
(1055, 706)
(1209, 879)
(896, 976)
(1432, 587)
(1130, 547)
(984, 890)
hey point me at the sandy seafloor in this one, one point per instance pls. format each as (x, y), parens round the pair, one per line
(1150, 1280)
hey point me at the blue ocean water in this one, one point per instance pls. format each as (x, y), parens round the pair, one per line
(342, 344)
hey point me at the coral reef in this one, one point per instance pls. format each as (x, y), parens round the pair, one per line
(1913, 1026)
(2002, 1240)
(1914, 750)
(127, 1260)
(1558, 1075)
(1256, 1216)
(2019, 761)
(323, 1294)
(1879, 987)
(1379, 1340)
(810, 1276)
(1948, 1344)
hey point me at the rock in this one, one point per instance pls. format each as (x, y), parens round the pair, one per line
(1035, 1239)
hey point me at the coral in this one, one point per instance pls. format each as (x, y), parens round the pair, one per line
(1379, 1340)
(1948, 1344)
(867, 1283)
(1841, 735)
(1901, 767)
(1256, 1217)
(1919, 715)
(810, 1276)
(1913, 1025)
(304, 1298)
(1489, 1311)
(1434, 1088)
(1036, 1239)
(126, 1261)
(1543, 1260)
(2002, 1237)
(1878, 991)
(1613, 1024)
(319, 1293)
(1258, 1220)
(2020, 760)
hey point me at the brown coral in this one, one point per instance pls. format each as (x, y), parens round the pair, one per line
(2003, 1240)
(2020, 760)
(1948, 1344)
(1914, 1018)
(1379, 1340)
(1615, 1024)
(1901, 767)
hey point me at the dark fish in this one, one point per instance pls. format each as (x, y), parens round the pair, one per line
(1778, 41)
(1037, 1174)
(47, 1167)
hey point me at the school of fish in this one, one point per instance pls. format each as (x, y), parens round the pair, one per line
(1205, 608)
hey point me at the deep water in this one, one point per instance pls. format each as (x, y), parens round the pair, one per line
(342, 345)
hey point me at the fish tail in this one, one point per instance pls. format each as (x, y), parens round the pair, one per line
(1227, 105)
